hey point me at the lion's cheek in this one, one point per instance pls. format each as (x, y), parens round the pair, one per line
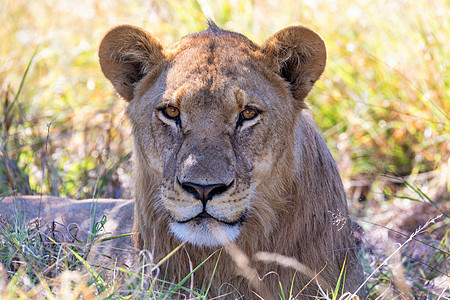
(154, 163)
(261, 167)
(152, 150)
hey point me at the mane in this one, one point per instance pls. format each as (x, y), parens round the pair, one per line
(213, 27)
(218, 35)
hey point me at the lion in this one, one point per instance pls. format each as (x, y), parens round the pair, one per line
(226, 154)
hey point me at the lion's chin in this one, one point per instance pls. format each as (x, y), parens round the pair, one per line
(206, 232)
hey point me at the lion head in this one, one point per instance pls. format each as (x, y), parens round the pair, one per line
(224, 149)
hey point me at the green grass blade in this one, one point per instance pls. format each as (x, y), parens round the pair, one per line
(115, 237)
(87, 265)
(168, 256)
(292, 286)
(22, 82)
(179, 285)
(281, 290)
(214, 272)
(338, 284)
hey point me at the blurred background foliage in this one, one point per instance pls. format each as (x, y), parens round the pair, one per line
(382, 103)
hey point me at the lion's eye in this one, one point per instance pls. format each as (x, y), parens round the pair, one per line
(248, 113)
(172, 112)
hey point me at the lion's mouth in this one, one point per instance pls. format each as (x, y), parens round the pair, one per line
(204, 216)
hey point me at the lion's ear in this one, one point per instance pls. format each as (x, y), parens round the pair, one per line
(127, 54)
(298, 55)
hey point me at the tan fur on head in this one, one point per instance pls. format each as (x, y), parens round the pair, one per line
(224, 152)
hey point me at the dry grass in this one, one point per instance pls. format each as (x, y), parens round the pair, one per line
(382, 103)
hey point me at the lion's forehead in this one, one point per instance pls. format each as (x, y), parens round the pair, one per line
(223, 60)
(212, 59)
(212, 41)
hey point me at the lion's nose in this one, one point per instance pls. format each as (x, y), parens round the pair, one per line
(204, 192)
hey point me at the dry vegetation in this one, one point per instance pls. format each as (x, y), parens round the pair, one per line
(383, 104)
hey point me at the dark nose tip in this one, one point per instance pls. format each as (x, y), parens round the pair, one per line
(204, 192)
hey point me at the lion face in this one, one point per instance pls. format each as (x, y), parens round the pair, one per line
(213, 135)
(211, 116)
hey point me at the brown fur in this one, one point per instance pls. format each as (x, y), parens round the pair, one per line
(284, 181)
(280, 188)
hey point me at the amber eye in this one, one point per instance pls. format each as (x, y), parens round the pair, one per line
(249, 113)
(172, 112)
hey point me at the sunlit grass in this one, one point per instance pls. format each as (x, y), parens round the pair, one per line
(382, 103)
